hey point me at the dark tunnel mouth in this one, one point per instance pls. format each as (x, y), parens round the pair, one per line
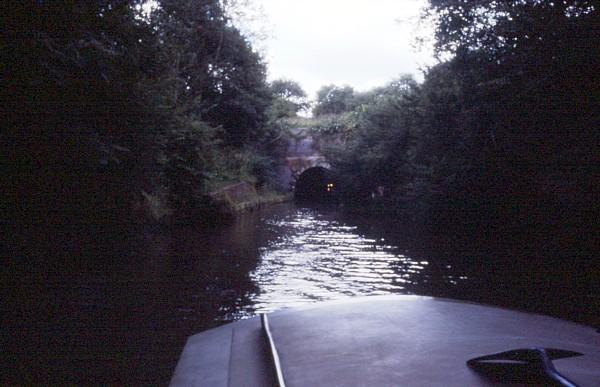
(315, 185)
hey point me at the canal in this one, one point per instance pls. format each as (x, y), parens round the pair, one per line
(117, 311)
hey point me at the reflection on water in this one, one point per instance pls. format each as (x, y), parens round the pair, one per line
(314, 256)
(321, 259)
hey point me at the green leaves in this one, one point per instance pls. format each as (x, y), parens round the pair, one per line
(180, 88)
(333, 99)
(288, 99)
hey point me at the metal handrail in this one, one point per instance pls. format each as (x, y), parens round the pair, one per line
(278, 373)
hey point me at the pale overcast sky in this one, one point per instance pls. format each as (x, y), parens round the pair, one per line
(362, 43)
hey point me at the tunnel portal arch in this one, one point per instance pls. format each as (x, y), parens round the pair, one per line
(316, 185)
(303, 153)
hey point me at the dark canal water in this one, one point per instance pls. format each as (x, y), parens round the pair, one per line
(114, 311)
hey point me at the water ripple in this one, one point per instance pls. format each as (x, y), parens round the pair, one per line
(323, 259)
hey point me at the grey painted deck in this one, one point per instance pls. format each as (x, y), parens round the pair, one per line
(230, 355)
(381, 341)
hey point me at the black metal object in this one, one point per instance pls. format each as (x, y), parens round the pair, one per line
(277, 371)
(526, 365)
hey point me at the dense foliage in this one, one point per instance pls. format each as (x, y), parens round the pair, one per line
(503, 132)
(114, 111)
(495, 154)
(289, 99)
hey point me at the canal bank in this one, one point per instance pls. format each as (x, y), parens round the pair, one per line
(242, 196)
(216, 207)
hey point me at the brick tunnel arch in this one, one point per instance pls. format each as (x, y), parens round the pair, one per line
(316, 185)
(303, 153)
(290, 172)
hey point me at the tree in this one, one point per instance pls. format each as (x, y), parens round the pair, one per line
(288, 89)
(112, 102)
(73, 111)
(531, 75)
(215, 71)
(288, 98)
(378, 151)
(522, 78)
(333, 99)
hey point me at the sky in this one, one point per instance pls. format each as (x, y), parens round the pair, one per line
(361, 43)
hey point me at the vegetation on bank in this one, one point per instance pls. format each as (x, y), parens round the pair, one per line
(503, 133)
(116, 113)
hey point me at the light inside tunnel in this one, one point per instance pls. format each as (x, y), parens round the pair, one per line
(315, 185)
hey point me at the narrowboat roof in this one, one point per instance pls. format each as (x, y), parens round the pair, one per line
(382, 341)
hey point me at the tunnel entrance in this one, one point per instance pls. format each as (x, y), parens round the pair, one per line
(316, 185)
